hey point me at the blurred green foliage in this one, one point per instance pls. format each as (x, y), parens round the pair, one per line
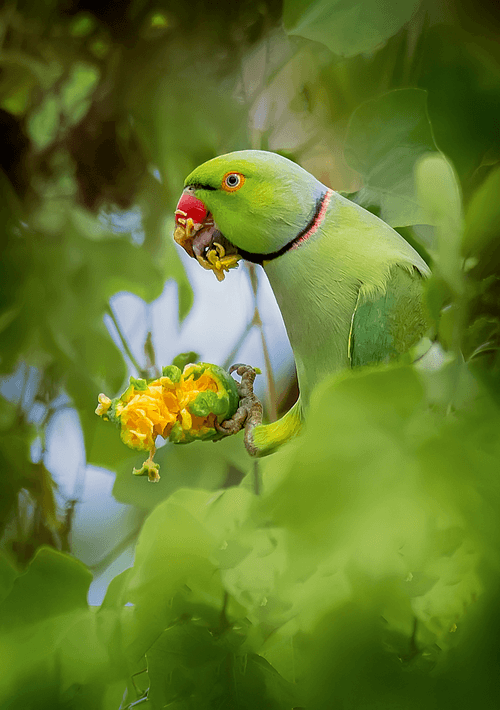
(365, 573)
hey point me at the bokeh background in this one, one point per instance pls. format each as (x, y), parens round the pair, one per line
(359, 566)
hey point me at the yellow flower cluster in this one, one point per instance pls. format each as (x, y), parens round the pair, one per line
(144, 415)
(182, 406)
(147, 413)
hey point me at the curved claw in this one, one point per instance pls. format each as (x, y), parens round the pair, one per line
(249, 413)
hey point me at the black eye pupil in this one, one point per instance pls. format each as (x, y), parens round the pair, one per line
(232, 180)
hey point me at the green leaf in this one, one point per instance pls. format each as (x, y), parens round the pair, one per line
(385, 139)
(76, 90)
(482, 222)
(176, 137)
(187, 532)
(103, 445)
(183, 664)
(387, 497)
(377, 401)
(191, 665)
(7, 577)
(185, 540)
(8, 414)
(121, 266)
(439, 194)
(347, 28)
(199, 465)
(252, 561)
(159, 225)
(53, 646)
(43, 124)
(182, 359)
(115, 593)
(184, 545)
(16, 86)
(53, 584)
(463, 82)
(82, 25)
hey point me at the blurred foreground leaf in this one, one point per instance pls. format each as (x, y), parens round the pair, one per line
(347, 28)
(385, 139)
(190, 666)
(55, 651)
(439, 194)
(461, 72)
(200, 465)
(53, 584)
(482, 226)
(390, 465)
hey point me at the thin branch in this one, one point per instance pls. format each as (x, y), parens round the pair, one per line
(67, 524)
(271, 385)
(223, 620)
(256, 478)
(232, 355)
(141, 371)
(150, 354)
(79, 488)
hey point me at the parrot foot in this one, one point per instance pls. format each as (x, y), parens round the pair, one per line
(249, 412)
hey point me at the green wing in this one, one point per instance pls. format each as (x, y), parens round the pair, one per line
(385, 328)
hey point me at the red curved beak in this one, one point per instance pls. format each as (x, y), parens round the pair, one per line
(190, 207)
(189, 218)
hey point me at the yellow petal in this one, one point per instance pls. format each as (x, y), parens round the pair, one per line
(103, 406)
(187, 421)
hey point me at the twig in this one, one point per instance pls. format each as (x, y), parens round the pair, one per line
(141, 371)
(224, 623)
(232, 355)
(271, 385)
(256, 478)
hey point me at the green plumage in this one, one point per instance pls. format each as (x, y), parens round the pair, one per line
(386, 328)
(350, 294)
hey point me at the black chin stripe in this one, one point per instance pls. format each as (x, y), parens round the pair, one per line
(260, 258)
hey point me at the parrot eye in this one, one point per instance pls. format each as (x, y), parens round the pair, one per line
(232, 182)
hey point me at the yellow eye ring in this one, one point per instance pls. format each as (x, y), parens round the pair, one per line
(232, 181)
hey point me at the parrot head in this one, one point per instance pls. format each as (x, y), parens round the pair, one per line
(249, 204)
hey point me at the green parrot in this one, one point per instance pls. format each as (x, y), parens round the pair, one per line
(348, 286)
